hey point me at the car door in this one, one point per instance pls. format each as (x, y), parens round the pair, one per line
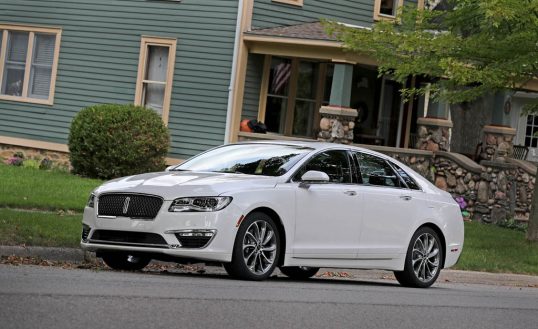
(390, 208)
(328, 215)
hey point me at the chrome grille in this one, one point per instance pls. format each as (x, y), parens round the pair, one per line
(129, 205)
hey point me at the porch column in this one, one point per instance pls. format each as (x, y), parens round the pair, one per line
(338, 119)
(498, 136)
(434, 129)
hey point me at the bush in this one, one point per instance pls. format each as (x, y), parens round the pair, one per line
(109, 140)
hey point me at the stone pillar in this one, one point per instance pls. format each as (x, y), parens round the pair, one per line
(497, 142)
(338, 119)
(434, 130)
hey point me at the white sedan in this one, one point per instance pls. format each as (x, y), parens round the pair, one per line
(296, 205)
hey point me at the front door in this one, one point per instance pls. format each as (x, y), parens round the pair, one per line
(328, 215)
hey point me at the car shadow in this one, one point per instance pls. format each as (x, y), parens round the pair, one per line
(283, 279)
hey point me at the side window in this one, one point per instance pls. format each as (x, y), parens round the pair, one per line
(334, 163)
(376, 171)
(406, 178)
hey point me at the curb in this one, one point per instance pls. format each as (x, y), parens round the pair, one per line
(75, 255)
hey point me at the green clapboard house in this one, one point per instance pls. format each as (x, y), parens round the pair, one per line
(204, 65)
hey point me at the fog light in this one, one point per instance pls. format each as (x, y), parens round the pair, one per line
(85, 232)
(198, 238)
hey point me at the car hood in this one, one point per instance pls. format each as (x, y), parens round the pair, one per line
(174, 184)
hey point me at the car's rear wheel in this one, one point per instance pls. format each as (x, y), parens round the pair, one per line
(423, 260)
(256, 248)
(299, 272)
(125, 261)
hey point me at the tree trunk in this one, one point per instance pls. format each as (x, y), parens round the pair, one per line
(532, 230)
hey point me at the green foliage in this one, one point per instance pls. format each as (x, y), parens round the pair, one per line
(110, 140)
(31, 163)
(474, 49)
(513, 225)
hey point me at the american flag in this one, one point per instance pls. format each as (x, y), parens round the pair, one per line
(281, 77)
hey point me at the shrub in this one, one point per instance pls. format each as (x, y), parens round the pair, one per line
(110, 140)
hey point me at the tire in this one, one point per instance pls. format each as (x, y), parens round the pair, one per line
(125, 261)
(423, 260)
(299, 272)
(256, 249)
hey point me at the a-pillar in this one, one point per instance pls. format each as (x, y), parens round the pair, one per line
(435, 128)
(498, 136)
(338, 119)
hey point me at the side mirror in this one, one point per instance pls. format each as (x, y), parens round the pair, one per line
(169, 168)
(313, 177)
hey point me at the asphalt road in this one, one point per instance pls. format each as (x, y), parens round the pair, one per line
(52, 297)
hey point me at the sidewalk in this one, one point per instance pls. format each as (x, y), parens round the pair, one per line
(72, 255)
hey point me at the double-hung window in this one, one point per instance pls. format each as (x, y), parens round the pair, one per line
(28, 63)
(155, 74)
(386, 9)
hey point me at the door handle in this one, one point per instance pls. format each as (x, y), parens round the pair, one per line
(350, 193)
(406, 197)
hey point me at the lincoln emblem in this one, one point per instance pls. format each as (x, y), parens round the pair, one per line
(126, 205)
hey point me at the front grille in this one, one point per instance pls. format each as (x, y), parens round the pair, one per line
(85, 232)
(141, 239)
(193, 241)
(129, 205)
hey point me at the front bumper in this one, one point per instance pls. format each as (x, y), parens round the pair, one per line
(167, 224)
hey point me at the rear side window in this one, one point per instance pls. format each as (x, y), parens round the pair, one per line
(376, 171)
(411, 183)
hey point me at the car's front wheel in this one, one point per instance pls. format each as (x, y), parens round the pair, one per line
(423, 260)
(256, 248)
(299, 272)
(125, 261)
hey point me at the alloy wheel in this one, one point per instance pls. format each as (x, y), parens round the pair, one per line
(259, 247)
(425, 257)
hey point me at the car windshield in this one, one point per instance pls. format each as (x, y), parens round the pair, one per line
(251, 159)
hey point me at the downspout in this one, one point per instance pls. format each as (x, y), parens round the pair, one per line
(238, 32)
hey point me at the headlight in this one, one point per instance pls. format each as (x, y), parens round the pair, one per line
(91, 201)
(213, 203)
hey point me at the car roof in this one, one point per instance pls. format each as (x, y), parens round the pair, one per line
(316, 145)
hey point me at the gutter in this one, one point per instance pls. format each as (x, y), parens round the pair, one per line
(233, 76)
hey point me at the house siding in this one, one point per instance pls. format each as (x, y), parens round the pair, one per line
(98, 63)
(270, 14)
(253, 79)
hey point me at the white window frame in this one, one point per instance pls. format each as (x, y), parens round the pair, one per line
(31, 30)
(291, 2)
(145, 42)
(377, 10)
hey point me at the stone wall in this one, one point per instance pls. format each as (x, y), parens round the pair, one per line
(493, 190)
(59, 159)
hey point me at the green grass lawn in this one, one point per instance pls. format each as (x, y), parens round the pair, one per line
(21, 227)
(490, 248)
(48, 190)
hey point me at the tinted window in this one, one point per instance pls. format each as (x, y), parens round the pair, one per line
(376, 171)
(334, 163)
(406, 178)
(251, 159)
